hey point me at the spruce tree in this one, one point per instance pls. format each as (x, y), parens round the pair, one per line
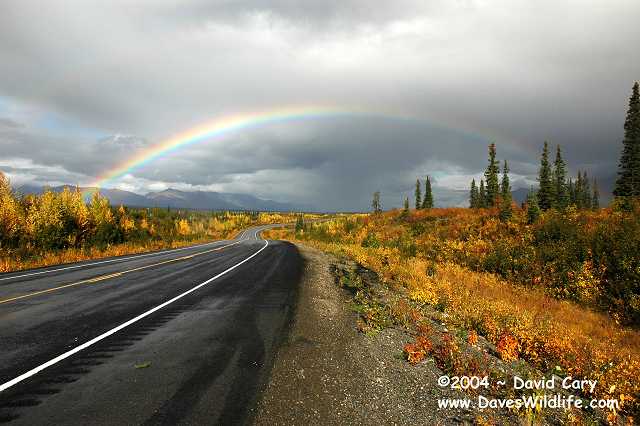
(578, 189)
(628, 182)
(482, 196)
(505, 196)
(406, 206)
(418, 193)
(545, 191)
(595, 201)
(561, 194)
(572, 192)
(473, 195)
(427, 203)
(491, 177)
(586, 192)
(533, 210)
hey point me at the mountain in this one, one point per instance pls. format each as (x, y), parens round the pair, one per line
(520, 195)
(197, 200)
(605, 187)
(115, 196)
(215, 201)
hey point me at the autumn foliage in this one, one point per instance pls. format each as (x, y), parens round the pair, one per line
(556, 293)
(59, 227)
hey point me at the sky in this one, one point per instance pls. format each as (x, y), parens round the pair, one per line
(86, 85)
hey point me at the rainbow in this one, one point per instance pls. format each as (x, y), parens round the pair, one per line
(234, 123)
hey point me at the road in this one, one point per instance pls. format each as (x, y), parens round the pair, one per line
(181, 336)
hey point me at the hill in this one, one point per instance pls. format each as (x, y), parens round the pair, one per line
(198, 200)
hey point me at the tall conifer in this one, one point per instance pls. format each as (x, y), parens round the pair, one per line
(473, 195)
(579, 190)
(482, 195)
(545, 191)
(586, 192)
(561, 194)
(491, 177)
(505, 194)
(572, 192)
(628, 182)
(533, 210)
(595, 200)
(427, 203)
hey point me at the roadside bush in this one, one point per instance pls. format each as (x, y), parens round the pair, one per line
(590, 257)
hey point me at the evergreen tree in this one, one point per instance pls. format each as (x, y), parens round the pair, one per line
(572, 192)
(505, 196)
(581, 193)
(473, 195)
(418, 193)
(586, 192)
(375, 202)
(405, 211)
(482, 196)
(428, 195)
(628, 182)
(545, 191)
(561, 194)
(579, 189)
(491, 177)
(533, 210)
(595, 201)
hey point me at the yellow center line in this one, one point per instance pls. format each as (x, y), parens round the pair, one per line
(113, 275)
(104, 277)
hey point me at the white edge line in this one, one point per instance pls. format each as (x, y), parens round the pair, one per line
(103, 336)
(116, 260)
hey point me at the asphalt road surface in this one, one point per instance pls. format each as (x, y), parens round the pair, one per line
(182, 336)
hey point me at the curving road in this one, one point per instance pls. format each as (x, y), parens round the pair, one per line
(181, 336)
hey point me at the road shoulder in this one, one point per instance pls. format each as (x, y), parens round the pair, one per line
(326, 372)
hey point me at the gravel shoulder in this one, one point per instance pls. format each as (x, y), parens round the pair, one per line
(326, 372)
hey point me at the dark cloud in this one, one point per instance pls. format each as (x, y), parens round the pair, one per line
(7, 123)
(86, 85)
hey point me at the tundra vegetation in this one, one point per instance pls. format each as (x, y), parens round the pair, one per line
(554, 283)
(59, 227)
(560, 293)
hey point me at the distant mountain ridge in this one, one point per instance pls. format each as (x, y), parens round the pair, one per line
(174, 198)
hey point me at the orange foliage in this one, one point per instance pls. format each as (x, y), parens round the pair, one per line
(508, 347)
(472, 338)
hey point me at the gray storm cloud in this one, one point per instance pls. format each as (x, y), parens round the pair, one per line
(86, 85)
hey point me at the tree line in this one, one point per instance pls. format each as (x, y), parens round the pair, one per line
(59, 220)
(555, 189)
(425, 202)
(421, 201)
(497, 191)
